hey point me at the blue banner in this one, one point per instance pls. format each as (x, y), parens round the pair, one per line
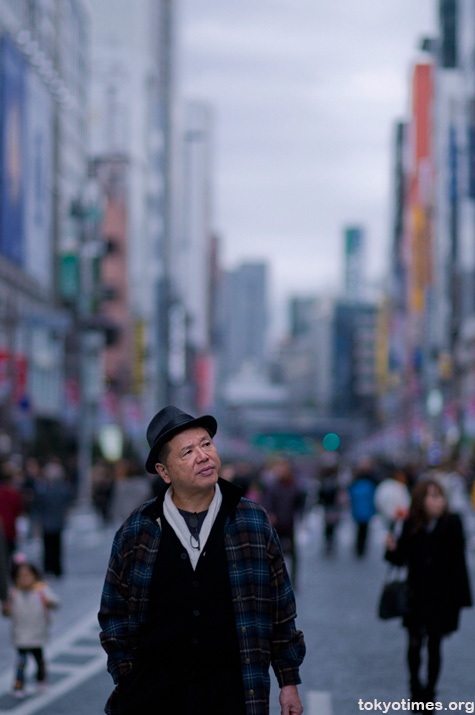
(471, 149)
(38, 224)
(12, 144)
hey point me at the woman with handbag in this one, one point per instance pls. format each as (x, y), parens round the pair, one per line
(432, 546)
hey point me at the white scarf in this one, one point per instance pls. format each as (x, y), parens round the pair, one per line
(180, 527)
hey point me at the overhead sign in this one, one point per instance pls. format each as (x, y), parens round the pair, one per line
(283, 442)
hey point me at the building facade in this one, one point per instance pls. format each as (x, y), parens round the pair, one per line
(43, 115)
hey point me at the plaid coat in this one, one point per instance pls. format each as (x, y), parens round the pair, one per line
(263, 598)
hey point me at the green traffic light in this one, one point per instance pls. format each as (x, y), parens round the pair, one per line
(331, 442)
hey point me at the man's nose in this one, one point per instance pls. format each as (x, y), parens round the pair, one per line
(202, 454)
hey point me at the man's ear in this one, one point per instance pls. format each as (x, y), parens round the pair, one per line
(162, 472)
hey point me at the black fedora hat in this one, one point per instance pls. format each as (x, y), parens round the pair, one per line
(166, 424)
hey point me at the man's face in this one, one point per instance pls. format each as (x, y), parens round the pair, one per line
(192, 464)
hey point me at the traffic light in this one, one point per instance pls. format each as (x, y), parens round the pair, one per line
(331, 442)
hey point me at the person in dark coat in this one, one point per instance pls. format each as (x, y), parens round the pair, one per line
(53, 498)
(11, 507)
(329, 497)
(432, 546)
(197, 603)
(284, 501)
(361, 492)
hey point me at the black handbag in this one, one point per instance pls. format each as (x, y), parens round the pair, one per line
(394, 599)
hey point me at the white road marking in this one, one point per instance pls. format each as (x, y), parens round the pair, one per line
(77, 675)
(319, 703)
(73, 674)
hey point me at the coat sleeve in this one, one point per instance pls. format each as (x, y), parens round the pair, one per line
(51, 598)
(459, 575)
(288, 645)
(114, 613)
(400, 555)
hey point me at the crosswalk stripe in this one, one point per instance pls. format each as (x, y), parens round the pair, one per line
(319, 703)
(73, 673)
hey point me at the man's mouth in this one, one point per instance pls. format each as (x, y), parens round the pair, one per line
(207, 471)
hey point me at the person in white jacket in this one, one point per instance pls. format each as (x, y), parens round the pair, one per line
(29, 603)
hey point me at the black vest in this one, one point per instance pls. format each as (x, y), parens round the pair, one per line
(191, 618)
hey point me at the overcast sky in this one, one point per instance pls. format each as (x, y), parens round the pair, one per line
(305, 96)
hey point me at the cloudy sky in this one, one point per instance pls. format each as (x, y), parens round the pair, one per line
(305, 96)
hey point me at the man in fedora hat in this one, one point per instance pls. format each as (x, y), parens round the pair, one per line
(197, 603)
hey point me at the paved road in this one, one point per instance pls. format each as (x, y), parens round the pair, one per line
(351, 654)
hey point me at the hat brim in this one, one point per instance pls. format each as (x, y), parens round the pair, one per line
(207, 421)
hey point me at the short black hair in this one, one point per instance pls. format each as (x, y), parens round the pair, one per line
(17, 566)
(162, 456)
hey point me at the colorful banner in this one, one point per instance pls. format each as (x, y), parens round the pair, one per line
(13, 376)
(12, 143)
(38, 181)
(138, 357)
(471, 149)
(204, 377)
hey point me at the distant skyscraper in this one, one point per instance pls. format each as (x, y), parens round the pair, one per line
(448, 18)
(190, 269)
(354, 263)
(132, 93)
(44, 48)
(302, 312)
(245, 318)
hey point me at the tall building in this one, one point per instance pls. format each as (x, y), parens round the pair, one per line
(307, 357)
(132, 112)
(191, 252)
(192, 272)
(331, 368)
(354, 263)
(245, 320)
(301, 314)
(43, 119)
(354, 386)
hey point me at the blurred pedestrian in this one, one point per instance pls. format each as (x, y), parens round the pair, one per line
(102, 490)
(11, 507)
(3, 568)
(32, 477)
(197, 603)
(361, 492)
(53, 499)
(284, 500)
(330, 498)
(392, 498)
(432, 547)
(451, 475)
(131, 489)
(29, 603)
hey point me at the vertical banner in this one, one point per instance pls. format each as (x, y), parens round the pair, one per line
(138, 357)
(38, 181)
(471, 149)
(12, 143)
(204, 378)
(453, 167)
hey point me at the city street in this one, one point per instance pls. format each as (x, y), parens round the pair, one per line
(351, 654)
